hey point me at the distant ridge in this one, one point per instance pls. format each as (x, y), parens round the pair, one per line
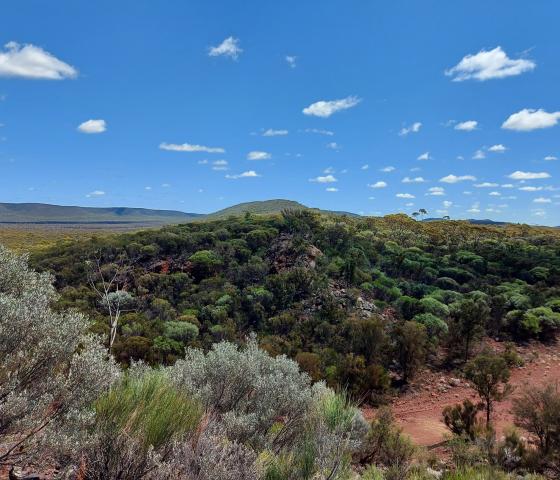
(45, 213)
(42, 213)
(474, 221)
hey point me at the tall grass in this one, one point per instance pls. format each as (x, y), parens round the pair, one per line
(148, 408)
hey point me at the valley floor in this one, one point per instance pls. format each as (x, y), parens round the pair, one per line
(419, 411)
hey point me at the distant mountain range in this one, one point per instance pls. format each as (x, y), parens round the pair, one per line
(40, 213)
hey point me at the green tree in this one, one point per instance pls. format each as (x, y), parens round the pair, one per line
(489, 375)
(468, 320)
(411, 340)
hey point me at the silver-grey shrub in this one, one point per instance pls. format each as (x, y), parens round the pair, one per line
(248, 390)
(50, 367)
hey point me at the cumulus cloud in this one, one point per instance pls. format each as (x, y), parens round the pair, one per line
(405, 195)
(324, 179)
(333, 146)
(228, 48)
(274, 133)
(364, 167)
(436, 192)
(95, 193)
(379, 184)
(247, 174)
(550, 158)
(325, 109)
(413, 180)
(447, 203)
(487, 65)
(187, 147)
(319, 131)
(331, 189)
(495, 194)
(467, 126)
(542, 200)
(530, 188)
(424, 156)
(530, 119)
(519, 175)
(388, 169)
(29, 61)
(220, 165)
(414, 128)
(486, 185)
(498, 148)
(291, 60)
(258, 155)
(93, 126)
(479, 155)
(457, 178)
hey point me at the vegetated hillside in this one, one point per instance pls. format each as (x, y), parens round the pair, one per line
(267, 207)
(45, 213)
(360, 302)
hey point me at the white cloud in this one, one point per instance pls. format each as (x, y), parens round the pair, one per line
(274, 133)
(291, 60)
(479, 155)
(328, 170)
(93, 126)
(542, 200)
(413, 180)
(467, 126)
(530, 119)
(29, 61)
(436, 192)
(530, 189)
(495, 194)
(388, 169)
(424, 156)
(247, 174)
(455, 179)
(331, 189)
(95, 193)
(258, 155)
(319, 131)
(187, 147)
(405, 195)
(507, 185)
(486, 185)
(379, 184)
(333, 146)
(489, 64)
(414, 128)
(202, 162)
(220, 165)
(324, 179)
(447, 203)
(325, 109)
(364, 167)
(228, 48)
(499, 148)
(550, 158)
(147, 188)
(165, 185)
(519, 175)
(475, 208)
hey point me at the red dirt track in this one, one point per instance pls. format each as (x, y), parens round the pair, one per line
(419, 410)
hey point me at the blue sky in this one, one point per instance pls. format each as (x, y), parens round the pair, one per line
(365, 106)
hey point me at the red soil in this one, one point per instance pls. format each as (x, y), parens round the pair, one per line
(419, 410)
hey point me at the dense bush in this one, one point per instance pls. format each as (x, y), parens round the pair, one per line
(329, 290)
